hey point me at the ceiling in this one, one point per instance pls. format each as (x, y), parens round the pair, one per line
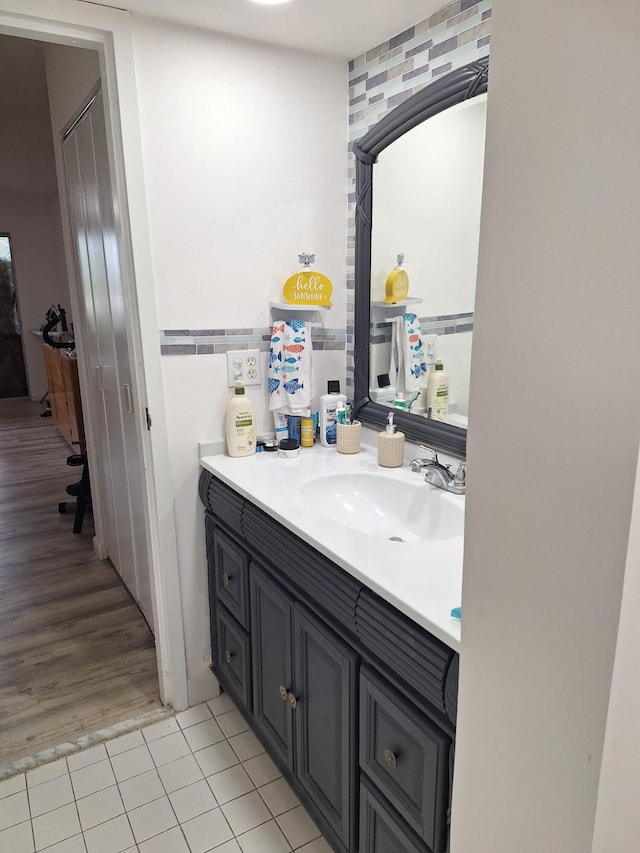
(341, 28)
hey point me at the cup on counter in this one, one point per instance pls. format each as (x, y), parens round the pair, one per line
(348, 437)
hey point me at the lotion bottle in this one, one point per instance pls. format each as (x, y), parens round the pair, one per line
(240, 425)
(390, 445)
(438, 393)
(329, 402)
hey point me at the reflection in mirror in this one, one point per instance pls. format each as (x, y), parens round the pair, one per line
(418, 190)
(426, 205)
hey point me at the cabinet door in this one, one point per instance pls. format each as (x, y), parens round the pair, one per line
(380, 830)
(271, 613)
(325, 720)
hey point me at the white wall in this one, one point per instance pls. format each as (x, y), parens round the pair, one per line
(244, 159)
(71, 74)
(555, 408)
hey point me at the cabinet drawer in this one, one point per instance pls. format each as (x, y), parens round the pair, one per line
(231, 571)
(380, 831)
(233, 657)
(406, 756)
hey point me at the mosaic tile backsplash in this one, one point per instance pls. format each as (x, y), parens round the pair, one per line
(379, 80)
(217, 341)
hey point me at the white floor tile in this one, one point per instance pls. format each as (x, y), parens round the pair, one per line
(221, 704)
(50, 795)
(14, 809)
(159, 730)
(55, 826)
(232, 723)
(17, 839)
(215, 758)
(180, 773)
(246, 745)
(171, 841)
(246, 812)
(193, 800)
(75, 844)
(114, 836)
(318, 845)
(230, 784)
(298, 827)
(13, 785)
(264, 839)
(279, 797)
(93, 778)
(207, 831)
(46, 772)
(141, 789)
(152, 819)
(87, 756)
(228, 847)
(168, 748)
(203, 734)
(124, 743)
(192, 716)
(132, 763)
(261, 769)
(100, 807)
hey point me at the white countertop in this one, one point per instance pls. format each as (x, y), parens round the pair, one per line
(422, 579)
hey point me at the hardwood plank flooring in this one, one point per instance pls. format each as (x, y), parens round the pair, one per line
(76, 655)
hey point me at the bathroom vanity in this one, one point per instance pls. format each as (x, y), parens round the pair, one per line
(337, 644)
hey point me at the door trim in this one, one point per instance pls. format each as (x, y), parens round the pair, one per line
(108, 31)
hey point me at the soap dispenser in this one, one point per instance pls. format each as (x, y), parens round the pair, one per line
(390, 445)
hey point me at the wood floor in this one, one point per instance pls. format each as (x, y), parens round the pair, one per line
(75, 653)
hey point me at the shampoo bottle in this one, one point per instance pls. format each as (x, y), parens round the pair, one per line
(240, 425)
(390, 445)
(438, 393)
(329, 402)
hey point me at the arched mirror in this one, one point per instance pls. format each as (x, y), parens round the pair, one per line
(418, 193)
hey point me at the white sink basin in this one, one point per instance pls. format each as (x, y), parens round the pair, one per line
(387, 507)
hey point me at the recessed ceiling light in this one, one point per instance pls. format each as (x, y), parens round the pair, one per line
(270, 2)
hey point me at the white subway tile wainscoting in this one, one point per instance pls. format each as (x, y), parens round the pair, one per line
(195, 782)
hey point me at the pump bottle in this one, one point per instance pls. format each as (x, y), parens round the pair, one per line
(240, 425)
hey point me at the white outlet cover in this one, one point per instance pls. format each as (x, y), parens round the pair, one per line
(243, 366)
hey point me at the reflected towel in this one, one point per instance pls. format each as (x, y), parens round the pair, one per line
(290, 370)
(408, 364)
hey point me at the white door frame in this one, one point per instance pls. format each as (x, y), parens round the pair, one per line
(108, 31)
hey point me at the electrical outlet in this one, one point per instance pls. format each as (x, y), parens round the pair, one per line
(243, 366)
(430, 348)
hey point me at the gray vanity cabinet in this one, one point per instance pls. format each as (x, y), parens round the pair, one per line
(354, 701)
(304, 687)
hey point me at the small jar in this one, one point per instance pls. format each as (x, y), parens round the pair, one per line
(288, 449)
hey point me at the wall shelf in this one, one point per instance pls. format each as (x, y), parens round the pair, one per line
(385, 310)
(285, 311)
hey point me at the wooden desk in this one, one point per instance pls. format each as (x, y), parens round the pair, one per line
(64, 395)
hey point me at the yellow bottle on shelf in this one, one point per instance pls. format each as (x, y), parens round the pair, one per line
(397, 286)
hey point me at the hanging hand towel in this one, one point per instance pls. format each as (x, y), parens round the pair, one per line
(407, 355)
(290, 372)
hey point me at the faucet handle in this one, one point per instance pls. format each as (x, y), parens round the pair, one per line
(460, 477)
(432, 452)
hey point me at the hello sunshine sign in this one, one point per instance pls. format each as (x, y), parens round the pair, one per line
(307, 287)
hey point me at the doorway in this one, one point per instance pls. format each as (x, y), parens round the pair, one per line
(96, 30)
(13, 377)
(170, 648)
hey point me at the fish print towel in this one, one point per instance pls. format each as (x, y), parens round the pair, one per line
(408, 364)
(290, 373)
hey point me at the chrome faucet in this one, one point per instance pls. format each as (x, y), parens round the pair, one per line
(441, 475)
